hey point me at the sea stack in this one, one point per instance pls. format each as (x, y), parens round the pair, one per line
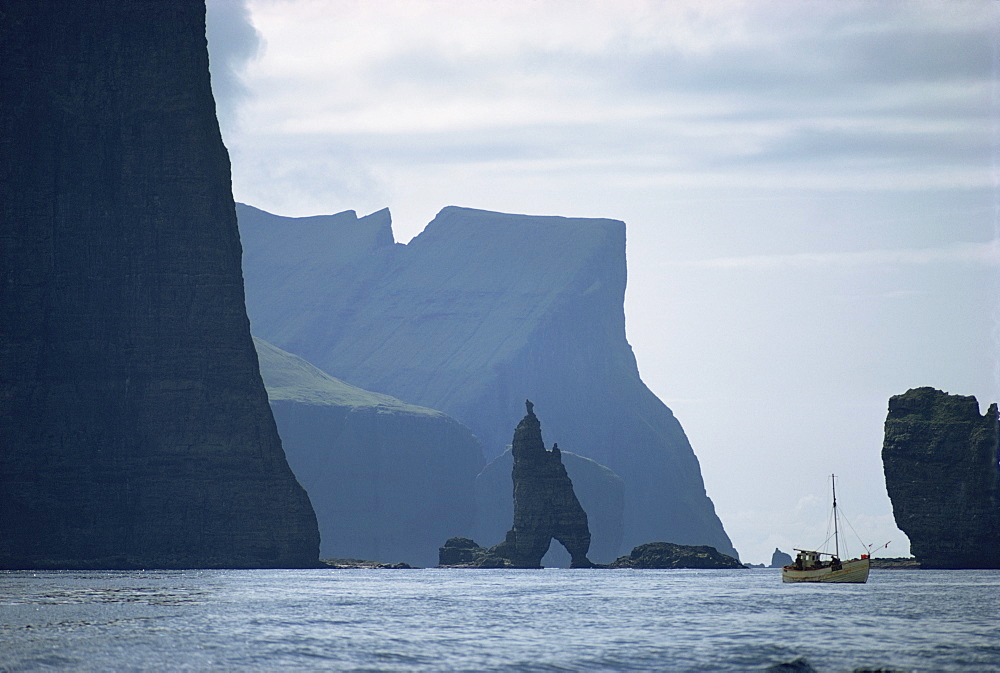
(545, 506)
(134, 424)
(779, 559)
(600, 491)
(941, 473)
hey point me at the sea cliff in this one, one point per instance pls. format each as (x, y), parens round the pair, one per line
(478, 312)
(941, 472)
(135, 426)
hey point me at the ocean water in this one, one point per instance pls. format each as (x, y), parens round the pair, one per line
(494, 620)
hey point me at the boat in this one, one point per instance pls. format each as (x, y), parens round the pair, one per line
(810, 566)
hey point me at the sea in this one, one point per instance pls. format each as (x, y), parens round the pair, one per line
(495, 620)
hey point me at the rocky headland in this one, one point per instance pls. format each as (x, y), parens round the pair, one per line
(473, 315)
(941, 472)
(135, 427)
(388, 480)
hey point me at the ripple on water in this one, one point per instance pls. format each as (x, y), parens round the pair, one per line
(550, 620)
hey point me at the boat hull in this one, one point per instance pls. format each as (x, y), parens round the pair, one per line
(854, 571)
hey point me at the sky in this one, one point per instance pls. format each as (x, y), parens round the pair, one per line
(810, 191)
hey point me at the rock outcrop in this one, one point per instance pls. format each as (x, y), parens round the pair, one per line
(388, 480)
(470, 317)
(662, 555)
(780, 559)
(940, 462)
(461, 552)
(545, 506)
(134, 426)
(600, 491)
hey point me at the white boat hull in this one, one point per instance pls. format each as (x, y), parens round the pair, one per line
(854, 571)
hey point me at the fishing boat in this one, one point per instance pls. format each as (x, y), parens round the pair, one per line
(810, 566)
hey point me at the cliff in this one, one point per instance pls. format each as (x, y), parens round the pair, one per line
(545, 506)
(134, 423)
(600, 491)
(940, 461)
(388, 480)
(473, 315)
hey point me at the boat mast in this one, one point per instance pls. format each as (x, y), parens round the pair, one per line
(836, 539)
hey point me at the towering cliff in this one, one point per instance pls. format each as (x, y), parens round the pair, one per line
(478, 312)
(545, 506)
(134, 423)
(940, 460)
(388, 480)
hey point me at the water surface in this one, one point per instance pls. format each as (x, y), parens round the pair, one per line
(476, 620)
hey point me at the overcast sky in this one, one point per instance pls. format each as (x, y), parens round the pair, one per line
(810, 191)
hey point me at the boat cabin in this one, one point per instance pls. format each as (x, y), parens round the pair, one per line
(806, 559)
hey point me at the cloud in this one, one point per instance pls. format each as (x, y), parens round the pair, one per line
(812, 86)
(987, 254)
(233, 42)
(632, 94)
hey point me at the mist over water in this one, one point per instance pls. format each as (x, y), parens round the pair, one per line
(422, 620)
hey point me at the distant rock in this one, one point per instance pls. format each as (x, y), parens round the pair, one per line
(545, 506)
(356, 564)
(473, 315)
(658, 555)
(600, 491)
(388, 479)
(940, 462)
(779, 559)
(134, 427)
(465, 553)
(898, 563)
(460, 552)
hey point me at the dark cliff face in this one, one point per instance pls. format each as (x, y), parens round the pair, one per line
(940, 461)
(545, 506)
(388, 480)
(135, 427)
(473, 315)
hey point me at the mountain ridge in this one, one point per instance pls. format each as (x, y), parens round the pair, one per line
(476, 313)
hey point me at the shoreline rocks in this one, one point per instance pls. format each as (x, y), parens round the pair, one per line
(460, 552)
